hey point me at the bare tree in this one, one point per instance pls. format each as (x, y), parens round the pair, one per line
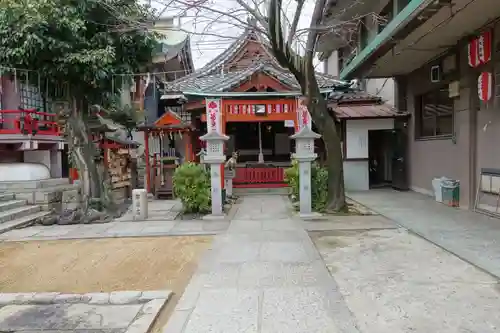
(302, 68)
(280, 28)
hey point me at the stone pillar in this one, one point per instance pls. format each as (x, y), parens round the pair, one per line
(228, 181)
(304, 155)
(55, 163)
(215, 158)
(140, 204)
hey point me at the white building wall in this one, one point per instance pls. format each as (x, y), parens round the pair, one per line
(356, 173)
(357, 135)
(384, 87)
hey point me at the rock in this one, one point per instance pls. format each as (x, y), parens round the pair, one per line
(49, 220)
(94, 216)
(69, 217)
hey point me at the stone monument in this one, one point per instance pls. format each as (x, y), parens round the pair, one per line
(304, 154)
(140, 204)
(215, 158)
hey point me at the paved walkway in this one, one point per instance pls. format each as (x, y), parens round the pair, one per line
(471, 236)
(161, 222)
(263, 275)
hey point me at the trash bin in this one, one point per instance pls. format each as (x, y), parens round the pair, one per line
(451, 192)
(436, 186)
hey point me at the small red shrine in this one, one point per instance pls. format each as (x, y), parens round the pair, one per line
(257, 106)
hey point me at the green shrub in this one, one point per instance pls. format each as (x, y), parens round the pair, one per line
(192, 187)
(292, 179)
(319, 184)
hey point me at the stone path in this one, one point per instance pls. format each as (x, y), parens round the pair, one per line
(471, 236)
(263, 275)
(117, 229)
(115, 312)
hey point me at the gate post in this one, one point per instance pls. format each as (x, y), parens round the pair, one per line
(304, 154)
(215, 158)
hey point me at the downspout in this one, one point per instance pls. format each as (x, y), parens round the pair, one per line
(473, 175)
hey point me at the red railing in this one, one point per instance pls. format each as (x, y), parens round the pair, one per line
(259, 177)
(28, 122)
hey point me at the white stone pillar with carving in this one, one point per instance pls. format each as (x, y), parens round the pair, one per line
(228, 181)
(304, 154)
(215, 158)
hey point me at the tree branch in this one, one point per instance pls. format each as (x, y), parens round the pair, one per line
(255, 13)
(281, 49)
(312, 37)
(295, 22)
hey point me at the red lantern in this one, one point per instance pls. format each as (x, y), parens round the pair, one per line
(484, 47)
(473, 53)
(485, 86)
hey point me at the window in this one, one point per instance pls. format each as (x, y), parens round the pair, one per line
(434, 114)
(30, 97)
(402, 4)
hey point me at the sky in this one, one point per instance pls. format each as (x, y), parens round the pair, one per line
(212, 29)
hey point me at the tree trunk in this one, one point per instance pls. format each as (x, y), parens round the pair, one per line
(85, 157)
(326, 126)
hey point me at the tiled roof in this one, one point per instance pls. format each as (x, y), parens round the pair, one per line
(218, 82)
(212, 78)
(373, 110)
(351, 95)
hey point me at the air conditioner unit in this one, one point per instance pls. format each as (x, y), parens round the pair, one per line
(436, 73)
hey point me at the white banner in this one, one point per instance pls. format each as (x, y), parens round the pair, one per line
(213, 106)
(303, 116)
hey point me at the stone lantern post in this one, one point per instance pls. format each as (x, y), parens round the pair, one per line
(215, 158)
(304, 154)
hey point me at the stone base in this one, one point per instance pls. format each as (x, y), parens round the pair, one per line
(310, 216)
(214, 217)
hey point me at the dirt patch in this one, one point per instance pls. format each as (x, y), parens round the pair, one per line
(102, 265)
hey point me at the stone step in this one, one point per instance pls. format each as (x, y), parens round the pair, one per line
(47, 195)
(32, 185)
(11, 204)
(19, 212)
(260, 191)
(7, 196)
(22, 222)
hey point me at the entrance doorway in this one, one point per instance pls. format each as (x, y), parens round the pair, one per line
(379, 158)
(387, 159)
(271, 138)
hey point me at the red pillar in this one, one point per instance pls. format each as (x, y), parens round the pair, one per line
(188, 148)
(146, 159)
(223, 130)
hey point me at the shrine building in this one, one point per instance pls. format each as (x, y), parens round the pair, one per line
(254, 101)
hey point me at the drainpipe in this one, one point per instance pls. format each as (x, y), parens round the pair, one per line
(473, 110)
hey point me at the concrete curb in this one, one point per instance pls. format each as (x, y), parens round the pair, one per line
(152, 303)
(112, 298)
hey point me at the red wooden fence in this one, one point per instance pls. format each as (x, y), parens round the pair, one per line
(28, 122)
(259, 177)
